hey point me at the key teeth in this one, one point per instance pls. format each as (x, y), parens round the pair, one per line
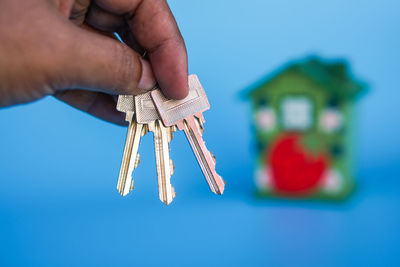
(132, 187)
(173, 196)
(223, 188)
(172, 169)
(171, 133)
(168, 201)
(137, 160)
(173, 193)
(220, 191)
(122, 193)
(213, 157)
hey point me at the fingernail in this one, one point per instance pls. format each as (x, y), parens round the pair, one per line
(147, 82)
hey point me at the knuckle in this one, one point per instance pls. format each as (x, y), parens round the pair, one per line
(128, 68)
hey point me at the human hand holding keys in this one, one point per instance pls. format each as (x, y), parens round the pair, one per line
(152, 111)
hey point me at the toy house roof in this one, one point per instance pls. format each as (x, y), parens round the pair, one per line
(329, 75)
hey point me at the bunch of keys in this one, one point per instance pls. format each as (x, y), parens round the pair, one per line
(153, 112)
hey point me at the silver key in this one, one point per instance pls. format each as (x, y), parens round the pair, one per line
(131, 157)
(187, 115)
(146, 113)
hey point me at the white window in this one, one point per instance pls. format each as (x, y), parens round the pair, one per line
(297, 113)
(265, 119)
(331, 120)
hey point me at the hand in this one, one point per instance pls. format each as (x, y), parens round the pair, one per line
(67, 48)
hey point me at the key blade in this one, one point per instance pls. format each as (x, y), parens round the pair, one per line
(171, 111)
(203, 156)
(130, 158)
(163, 162)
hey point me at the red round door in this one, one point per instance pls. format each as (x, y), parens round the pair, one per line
(295, 169)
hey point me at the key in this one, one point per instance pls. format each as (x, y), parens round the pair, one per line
(187, 115)
(146, 113)
(131, 157)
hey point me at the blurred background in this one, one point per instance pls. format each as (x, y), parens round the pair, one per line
(59, 167)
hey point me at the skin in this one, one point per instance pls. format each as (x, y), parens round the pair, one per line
(66, 48)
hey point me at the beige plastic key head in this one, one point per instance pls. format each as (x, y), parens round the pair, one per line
(125, 103)
(145, 110)
(172, 111)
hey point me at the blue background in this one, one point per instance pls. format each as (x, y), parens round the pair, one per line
(59, 166)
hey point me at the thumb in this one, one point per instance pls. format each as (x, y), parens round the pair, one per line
(96, 62)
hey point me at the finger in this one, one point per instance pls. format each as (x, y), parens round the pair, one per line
(155, 29)
(87, 27)
(103, 20)
(78, 11)
(126, 35)
(97, 104)
(96, 62)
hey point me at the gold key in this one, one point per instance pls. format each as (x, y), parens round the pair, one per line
(131, 157)
(147, 114)
(187, 115)
(165, 168)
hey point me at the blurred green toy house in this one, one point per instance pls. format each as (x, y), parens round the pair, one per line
(303, 130)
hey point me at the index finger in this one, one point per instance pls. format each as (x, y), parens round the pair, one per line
(155, 29)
